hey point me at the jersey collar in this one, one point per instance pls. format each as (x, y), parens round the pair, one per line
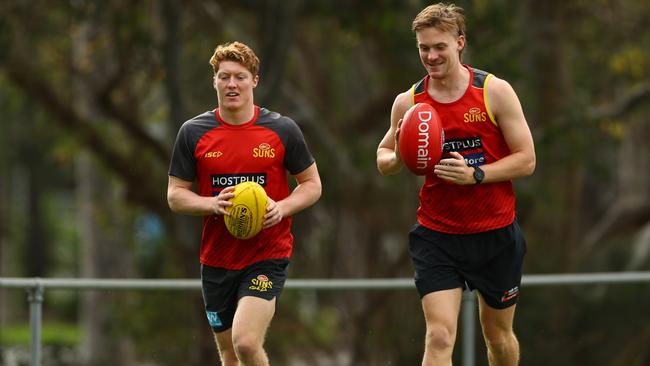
(223, 122)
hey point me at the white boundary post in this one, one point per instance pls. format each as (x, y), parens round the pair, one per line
(468, 324)
(35, 298)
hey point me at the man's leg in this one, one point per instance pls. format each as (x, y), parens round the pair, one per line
(252, 319)
(226, 349)
(500, 339)
(441, 314)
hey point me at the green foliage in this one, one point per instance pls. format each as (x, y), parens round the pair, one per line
(632, 62)
(577, 318)
(94, 77)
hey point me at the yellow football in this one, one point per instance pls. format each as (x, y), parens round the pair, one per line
(247, 210)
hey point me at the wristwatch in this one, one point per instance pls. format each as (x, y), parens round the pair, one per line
(479, 174)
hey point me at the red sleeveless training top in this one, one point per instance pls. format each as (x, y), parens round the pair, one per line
(471, 130)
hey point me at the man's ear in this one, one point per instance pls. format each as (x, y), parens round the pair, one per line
(461, 43)
(256, 79)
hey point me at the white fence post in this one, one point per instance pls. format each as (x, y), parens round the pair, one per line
(35, 298)
(468, 323)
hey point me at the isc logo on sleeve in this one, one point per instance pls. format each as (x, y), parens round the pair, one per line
(213, 154)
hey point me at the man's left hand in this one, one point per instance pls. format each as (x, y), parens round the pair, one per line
(273, 214)
(455, 170)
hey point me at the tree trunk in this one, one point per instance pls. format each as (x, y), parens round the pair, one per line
(6, 203)
(185, 230)
(104, 249)
(557, 217)
(171, 14)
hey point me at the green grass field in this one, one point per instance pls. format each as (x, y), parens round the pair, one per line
(56, 334)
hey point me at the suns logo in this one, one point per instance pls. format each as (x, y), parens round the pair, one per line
(474, 115)
(261, 283)
(264, 151)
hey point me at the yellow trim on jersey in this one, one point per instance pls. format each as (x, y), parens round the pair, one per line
(413, 95)
(485, 100)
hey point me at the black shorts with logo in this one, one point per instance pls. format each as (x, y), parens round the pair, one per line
(222, 288)
(490, 262)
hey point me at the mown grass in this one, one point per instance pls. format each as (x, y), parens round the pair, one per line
(54, 334)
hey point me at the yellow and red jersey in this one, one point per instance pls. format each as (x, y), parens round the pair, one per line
(216, 155)
(471, 130)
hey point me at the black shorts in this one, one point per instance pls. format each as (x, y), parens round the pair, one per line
(490, 262)
(222, 288)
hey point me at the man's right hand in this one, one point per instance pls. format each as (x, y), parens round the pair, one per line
(222, 200)
(399, 126)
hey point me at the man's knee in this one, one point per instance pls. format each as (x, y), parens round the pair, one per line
(246, 346)
(440, 337)
(500, 340)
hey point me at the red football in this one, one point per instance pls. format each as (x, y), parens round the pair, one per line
(421, 139)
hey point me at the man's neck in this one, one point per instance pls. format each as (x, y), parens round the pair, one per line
(237, 116)
(450, 88)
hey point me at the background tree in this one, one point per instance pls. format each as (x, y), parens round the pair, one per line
(92, 95)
